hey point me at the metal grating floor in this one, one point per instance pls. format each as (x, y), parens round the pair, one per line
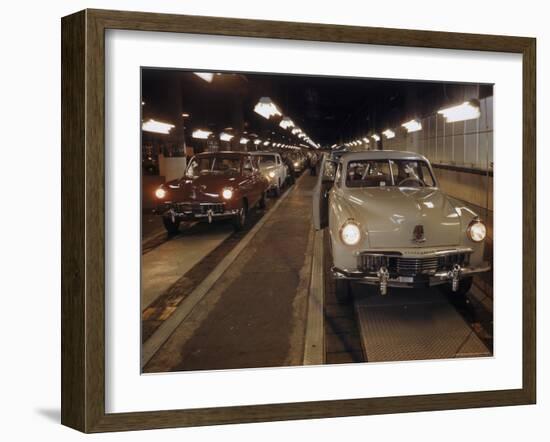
(414, 325)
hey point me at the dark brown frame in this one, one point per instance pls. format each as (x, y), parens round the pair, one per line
(83, 234)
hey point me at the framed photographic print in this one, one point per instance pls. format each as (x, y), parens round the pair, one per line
(266, 220)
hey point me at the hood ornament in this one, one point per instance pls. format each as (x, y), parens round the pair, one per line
(418, 234)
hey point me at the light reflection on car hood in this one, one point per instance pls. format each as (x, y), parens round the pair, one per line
(389, 215)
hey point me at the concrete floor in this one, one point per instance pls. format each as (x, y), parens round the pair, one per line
(165, 264)
(151, 224)
(343, 338)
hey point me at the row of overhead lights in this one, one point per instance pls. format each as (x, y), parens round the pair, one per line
(202, 134)
(469, 110)
(265, 107)
(268, 109)
(157, 127)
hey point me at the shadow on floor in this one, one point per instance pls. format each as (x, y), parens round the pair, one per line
(51, 414)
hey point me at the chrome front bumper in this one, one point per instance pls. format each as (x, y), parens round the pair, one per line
(197, 211)
(208, 216)
(384, 277)
(404, 281)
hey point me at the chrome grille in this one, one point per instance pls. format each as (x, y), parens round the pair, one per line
(414, 266)
(447, 261)
(371, 262)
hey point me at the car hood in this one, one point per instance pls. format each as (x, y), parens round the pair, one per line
(391, 214)
(206, 187)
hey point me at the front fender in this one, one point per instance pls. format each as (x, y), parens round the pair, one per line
(339, 211)
(467, 214)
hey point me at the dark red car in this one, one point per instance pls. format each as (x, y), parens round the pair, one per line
(215, 185)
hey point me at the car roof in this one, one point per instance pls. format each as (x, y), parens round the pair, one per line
(338, 153)
(225, 153)
(260, 152)
(383, 155)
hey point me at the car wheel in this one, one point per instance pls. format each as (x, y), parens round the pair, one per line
(262, 203)
(277, 190)
(240, 219)
(458, 297)
(172, 227)
(342, 290)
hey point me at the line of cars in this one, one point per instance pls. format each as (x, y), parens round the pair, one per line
(223, 186)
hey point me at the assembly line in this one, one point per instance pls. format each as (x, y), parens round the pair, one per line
(249, 294)
(294, 219)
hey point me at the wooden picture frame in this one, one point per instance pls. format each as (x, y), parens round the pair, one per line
(83, 216)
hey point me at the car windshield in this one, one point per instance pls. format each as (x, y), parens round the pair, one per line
(213, 165)
(382, 173)
(266, 160)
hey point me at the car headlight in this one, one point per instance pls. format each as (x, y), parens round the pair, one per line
(296, 164)
(227, 193)
(477, 230)
(271, 174)
(160, 193)
(350, 234)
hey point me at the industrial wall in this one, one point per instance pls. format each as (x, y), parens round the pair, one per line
(460, 152)
(464, 143)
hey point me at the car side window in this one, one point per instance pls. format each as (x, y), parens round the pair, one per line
(329, 170)
(426, 176)
(338, 176)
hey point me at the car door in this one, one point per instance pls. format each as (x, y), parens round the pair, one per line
(260, 182)
(325, 181)
(281, 169)
(247, 184)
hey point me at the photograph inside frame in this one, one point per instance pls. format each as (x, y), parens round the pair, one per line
(293, 220)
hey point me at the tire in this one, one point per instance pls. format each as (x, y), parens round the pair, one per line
(342, 290)
(262, 203)
(277, 190)
(458, 297)
(171, 227)
(239, 221)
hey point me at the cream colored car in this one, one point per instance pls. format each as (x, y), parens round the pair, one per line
(273, 169)
(391, 226)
